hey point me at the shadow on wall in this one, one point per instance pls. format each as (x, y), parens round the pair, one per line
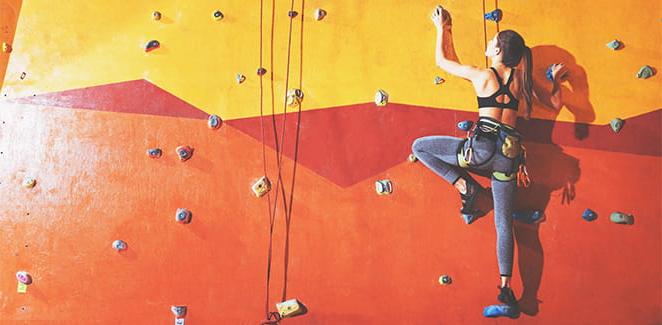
(9, 10)
(543, 158)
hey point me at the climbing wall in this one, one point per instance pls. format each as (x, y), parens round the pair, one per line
(91, 227)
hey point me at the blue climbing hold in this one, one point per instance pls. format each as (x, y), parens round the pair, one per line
(549, 74)
(528, 216)
(465, 125)
(501, 310)
(589, 215)
(152, 45)
(154, 153)
(214, 122)
(494, 15)
(469, 218)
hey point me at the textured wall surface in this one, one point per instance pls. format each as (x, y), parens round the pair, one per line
(81, 102)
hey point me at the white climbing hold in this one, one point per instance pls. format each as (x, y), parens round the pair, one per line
(29, 182)
(412, 158)
(291, 308)
(261, 187)
(383, 187)
(240, 78)
(439, 80)
(381, 98)
(294, 97)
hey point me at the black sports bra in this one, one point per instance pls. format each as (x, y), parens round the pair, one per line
(491, 101)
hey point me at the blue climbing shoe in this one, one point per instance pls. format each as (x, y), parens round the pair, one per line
(501, 311)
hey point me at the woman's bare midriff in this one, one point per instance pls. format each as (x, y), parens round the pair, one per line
(506, 116)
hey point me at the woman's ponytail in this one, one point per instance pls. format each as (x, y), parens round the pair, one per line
(527, 80)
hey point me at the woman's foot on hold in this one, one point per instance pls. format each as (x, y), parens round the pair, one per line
(509, 308)
(469, 211)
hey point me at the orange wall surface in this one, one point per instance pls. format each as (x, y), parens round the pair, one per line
(81, 102)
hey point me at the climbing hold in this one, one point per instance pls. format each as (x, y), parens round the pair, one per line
(152, 45)
(240, 78)
(614, 45)
(119, 245)
(178, 311)
(29, 182)
(24, 277)
(412, 158)
(494, 15)
(184, 152)
(23, 75)
(616, 124)
(384, 187)
(261, 71)
(439, 80)
(589, 215)
(183, 216)
(501, 310)
(645, 72)
(217, 15)
(294, 97)
(445, 280)
(549, 74)
(528, 216)
(214, 122)
(261, 187)
(622, 218)
(154, 153)
(320, 14)
(465, 125)
(291, 308)
(381, 98)
(6, 48)
(292, 13)
(156, 15)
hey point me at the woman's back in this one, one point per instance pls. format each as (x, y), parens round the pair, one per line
(490, 84)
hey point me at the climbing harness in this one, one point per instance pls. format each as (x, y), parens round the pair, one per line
(508, 141)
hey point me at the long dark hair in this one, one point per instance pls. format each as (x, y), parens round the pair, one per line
(514, 51)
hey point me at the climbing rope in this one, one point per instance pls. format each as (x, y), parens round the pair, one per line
(484, 32)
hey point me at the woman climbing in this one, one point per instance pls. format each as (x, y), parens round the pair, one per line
(493, 145)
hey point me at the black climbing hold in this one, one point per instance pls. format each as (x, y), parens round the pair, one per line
(154, 152)
(465, 125)
(218, 15)
(23, 75)
(292, 13)
(152, 45)
(261, 71)
(184, 152)
(589, 215)
(494, 15)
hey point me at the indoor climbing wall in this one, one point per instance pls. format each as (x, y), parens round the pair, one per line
(135, 136)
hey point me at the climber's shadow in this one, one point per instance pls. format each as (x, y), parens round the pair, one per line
(551, 169)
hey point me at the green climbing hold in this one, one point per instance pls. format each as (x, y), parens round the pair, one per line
(615, 45)
(616, 124)
(622, 218)
(645, 72)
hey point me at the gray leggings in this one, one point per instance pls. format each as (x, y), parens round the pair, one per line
(439, 153)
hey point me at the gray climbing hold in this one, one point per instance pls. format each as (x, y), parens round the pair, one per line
(179, 311)
(214, 122)
(184, 152)
(119, 245)
(154, 153)
(615, 45)
(645, 72)
(622, 218)
(383, 187)
(616, 124)
(183, 216)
